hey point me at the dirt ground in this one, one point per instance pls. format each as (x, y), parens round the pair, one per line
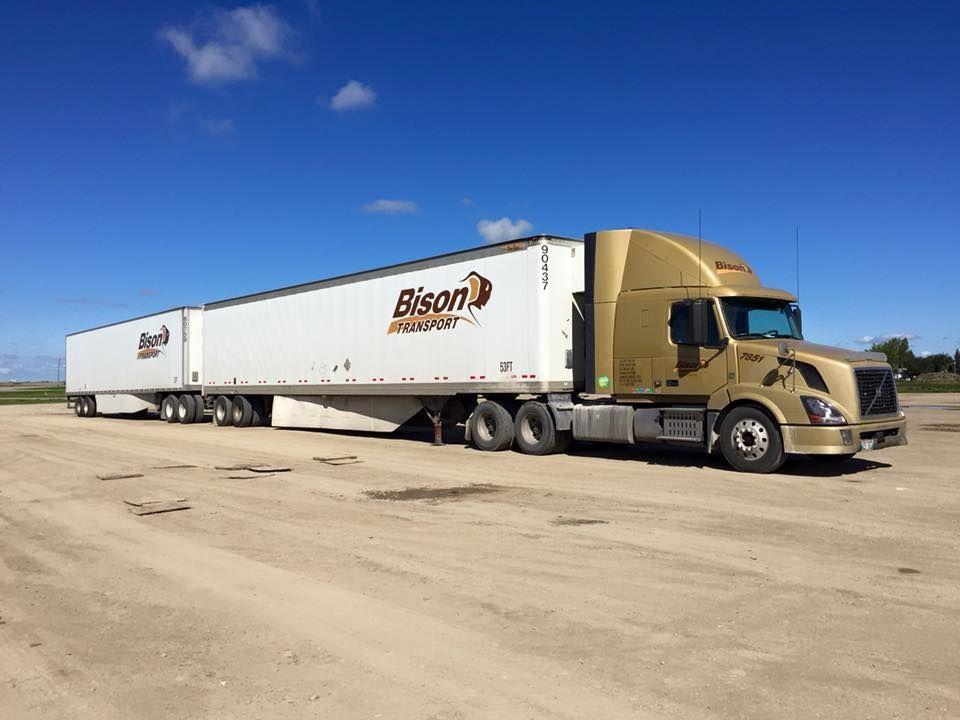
(425, 582)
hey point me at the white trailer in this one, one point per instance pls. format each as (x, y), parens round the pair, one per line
(370, 350)
(132, 366)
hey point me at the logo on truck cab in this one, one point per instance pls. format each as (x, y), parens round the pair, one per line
(724, 266)
(152, 344)
(419, 311)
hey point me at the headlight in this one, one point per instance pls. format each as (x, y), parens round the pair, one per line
(821, 412)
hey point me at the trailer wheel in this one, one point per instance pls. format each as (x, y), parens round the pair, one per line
(186, 409)
(491, 427)
(199, 407)
(168, 410)
(750, 441)
(78, 406)
(536, 433)
(241, 411)
(223, 411)
(89, 406)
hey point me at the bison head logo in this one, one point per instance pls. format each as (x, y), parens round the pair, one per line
(480, 289)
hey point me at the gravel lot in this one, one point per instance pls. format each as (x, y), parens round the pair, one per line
(425, 582)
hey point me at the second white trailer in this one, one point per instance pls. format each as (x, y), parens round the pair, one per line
(131, 366)
(370, 350)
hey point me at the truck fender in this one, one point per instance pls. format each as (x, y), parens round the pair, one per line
(561, 408)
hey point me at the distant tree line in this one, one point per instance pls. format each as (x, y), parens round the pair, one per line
(901, 357)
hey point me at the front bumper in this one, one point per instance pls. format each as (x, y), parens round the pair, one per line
(844, 439)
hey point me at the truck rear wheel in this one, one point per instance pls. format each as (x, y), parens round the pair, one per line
(242, 411)
(186, 409)
(535, 431)
(78, 406)
(223, 411)
(750, 441)
(491, 427)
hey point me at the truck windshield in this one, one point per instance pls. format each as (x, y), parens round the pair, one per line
(760, 318)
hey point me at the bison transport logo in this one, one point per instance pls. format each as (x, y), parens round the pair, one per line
(152, 345)
(417, 311)
(723, 266)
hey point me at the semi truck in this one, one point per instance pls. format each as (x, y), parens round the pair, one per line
(627, 336)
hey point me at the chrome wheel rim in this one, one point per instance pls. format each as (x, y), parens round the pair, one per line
(531, 429)
(487, 427)
(751, 439)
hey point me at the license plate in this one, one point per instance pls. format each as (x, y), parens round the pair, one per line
(868, 444)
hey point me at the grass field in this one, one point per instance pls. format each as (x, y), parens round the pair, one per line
(914, 387)
(19, 395)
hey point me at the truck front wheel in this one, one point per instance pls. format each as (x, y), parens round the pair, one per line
(750, 441)
(491, 427)
(536, 433)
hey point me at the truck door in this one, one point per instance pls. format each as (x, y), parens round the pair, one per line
(690, 369)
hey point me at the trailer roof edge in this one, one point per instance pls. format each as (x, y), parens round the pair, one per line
(387, 270)
(138, 317)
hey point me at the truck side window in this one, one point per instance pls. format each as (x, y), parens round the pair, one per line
(681, 325)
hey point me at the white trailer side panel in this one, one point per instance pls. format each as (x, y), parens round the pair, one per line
(494, 319)
(138, 356)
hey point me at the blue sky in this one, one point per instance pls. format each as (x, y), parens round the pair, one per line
(160, 154)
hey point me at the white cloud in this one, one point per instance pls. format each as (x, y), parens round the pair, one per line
(494, 231)
(871, 339)
(227, 46)
(353, 96)
(391, 207)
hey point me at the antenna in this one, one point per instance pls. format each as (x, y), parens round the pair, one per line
(699, 252)
(796, 242)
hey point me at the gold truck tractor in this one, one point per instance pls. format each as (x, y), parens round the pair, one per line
(682, 343)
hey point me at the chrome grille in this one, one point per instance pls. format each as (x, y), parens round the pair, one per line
(878, 392)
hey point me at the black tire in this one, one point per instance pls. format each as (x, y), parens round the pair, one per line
(168, 409)
(186, 409)
(223, 411)
(750, 441)
(491, 427)
(199, 408)
(241, 411)
(89, 406)
(78, 407)
(534, 429)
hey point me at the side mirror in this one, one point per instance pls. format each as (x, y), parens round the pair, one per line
(700, 314)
